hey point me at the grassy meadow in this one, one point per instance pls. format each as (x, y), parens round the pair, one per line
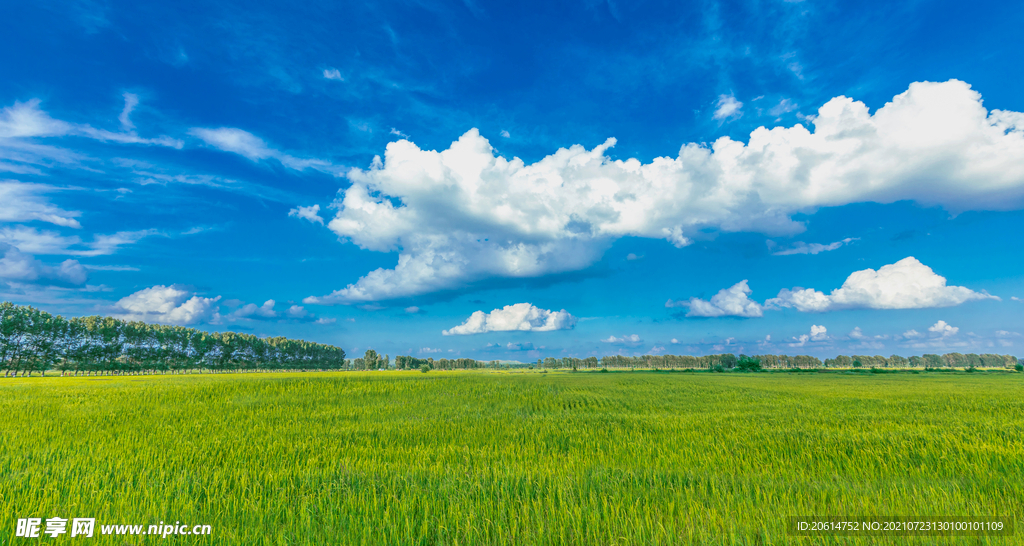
(406, 458)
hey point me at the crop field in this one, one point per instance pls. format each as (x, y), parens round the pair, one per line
(407, 458)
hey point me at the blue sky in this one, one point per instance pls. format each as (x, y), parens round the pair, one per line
(438, 179)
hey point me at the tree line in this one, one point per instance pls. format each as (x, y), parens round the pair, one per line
(32, 340)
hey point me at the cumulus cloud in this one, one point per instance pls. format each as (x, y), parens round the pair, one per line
(265, 311)
(253, 148)
(21, 202)
(18, 267)
(728, 302)
(523, 317)
(818, 333)
(523, 346)
(942, 329)
(465, 214)
(906, 284)
(311, 213)
(632, 339)
(505, 134)
(168, 305)
(728, 107)
(268, 311)
(801, 247)
(333, 74)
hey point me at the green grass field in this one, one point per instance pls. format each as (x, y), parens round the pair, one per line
(509, 458)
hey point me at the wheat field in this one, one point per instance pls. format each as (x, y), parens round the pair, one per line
(439, 458)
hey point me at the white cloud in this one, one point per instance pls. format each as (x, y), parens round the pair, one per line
(311, 213)
(813, 248)
(27, 120)
(632, 339)
(523, 346)
(728, 107)
(131, 100)
(265, 311)
(522, 317)
(49, 242)
(398, 133)
(427, 350)
(16, 266)
(728, 302)
(505, 134)
(675, 341)
(912, 334)
(250, 146)
(943, 329)
(906, 284)
(856, 333)
(412, 310)
(333, 74)
(784, 106)
(21, 202)
(168, 305)
(632, 257)
(465, 214)
(818, 333)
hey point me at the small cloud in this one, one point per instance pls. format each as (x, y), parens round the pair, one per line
(131, 100)
(326, 321)
(675, 341)
(504, 134)
(525, 346)
(310, 213)
(728, 108)
(943, 329)
(633, 339)
(632, 257)
(398, 133)
(412, 310)
(819, 333)
(428, 350)
(729, 302)
(783, 107)
(333, 74)
(912, 334)
(801, 247)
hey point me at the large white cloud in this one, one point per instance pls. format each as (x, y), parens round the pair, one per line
(16, 266)
(523, 317)
(168, 305)
(906, 284)
(728, 302)
(464, 214)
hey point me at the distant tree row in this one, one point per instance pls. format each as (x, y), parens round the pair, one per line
(948, 360)
(32, 340)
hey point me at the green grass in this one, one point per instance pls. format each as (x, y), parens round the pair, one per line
(509, 458)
